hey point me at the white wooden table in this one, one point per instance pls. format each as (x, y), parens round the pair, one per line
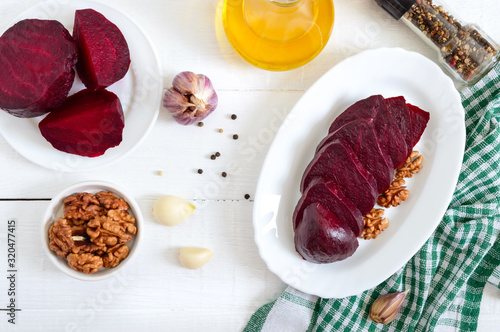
(155, 293)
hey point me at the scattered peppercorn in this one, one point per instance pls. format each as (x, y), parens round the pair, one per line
(200, 171)
(200, 124)
(217, 154)
(213, 157)
(247, 196)
(235, 136)
(224, 174)
(221, 131)
(234, 116)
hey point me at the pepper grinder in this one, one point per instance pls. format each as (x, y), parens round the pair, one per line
(464, 49)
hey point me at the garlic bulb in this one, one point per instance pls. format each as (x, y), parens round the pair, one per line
(194, 258)
(386, 307)
(191, 99)
(171, 210)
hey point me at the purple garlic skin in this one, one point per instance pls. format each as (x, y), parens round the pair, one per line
(191, 99)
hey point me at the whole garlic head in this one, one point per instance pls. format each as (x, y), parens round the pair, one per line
(194, 258)
(191, 99)
(171, 210)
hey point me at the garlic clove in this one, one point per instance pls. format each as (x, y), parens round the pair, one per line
(194, 258)
(386, 307)
(176, 102)
(171, 210)
(206, 91)
(191, 99)
(186, 83)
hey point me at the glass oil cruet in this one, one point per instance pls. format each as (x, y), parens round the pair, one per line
(278, 34)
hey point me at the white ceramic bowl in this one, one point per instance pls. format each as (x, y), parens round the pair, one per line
(55, 210)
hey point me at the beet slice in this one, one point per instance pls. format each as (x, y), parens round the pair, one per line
(401, 114)
(321, 237)
(360, 135)
(391, 140)
(104, 56)
(87, 123)
(337, 162)
(36, 72)
(330, 197)
(418, 119)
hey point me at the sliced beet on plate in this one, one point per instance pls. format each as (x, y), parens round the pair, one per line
(331, 198)
(337, 162)
(418, 120)
(104, 56)
(87, 124)
(391, 140)
(361, 136)
(36, 71)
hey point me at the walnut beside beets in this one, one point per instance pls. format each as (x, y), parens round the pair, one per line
(397, 193)
(374, 224)
(393, 196)
(93, 232)
(412, 165)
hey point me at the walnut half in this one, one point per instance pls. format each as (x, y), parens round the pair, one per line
(374, 224)
(60, 237)
(393, 196)
(85, 262)
(412, 165)
(115, 255)
(104, 231)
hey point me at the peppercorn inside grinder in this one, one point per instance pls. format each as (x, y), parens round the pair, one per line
(464, 49)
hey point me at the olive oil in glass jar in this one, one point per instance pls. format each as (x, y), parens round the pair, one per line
(278, 34)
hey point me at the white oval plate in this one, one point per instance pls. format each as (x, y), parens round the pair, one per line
(390, 72)
(139, 92)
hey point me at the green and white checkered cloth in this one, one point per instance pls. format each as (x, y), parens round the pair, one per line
(446, 277)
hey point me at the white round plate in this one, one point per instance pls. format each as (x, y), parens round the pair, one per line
(139, 92)
(389, 72)
(56, 210)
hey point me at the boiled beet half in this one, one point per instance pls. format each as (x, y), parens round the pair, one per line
(87, 123)
(36, 71)
(104, 57)
(321, 237)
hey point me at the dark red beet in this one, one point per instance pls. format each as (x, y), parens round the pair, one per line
(360, 135)
(391, 140)
(330, 197)
(36, 71)
(418, 121)
(337, 162)
(87, 123)
(104, 56)
(321, 237)
(400, 113)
